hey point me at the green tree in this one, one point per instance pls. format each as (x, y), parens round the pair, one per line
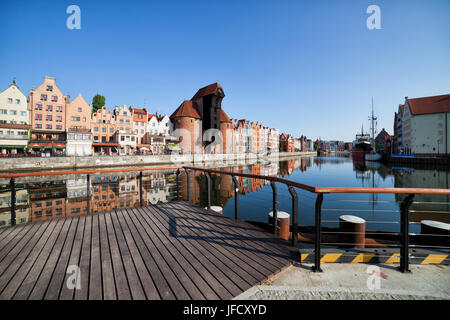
(98, 102)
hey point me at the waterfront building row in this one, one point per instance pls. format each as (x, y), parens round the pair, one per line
(48, 123)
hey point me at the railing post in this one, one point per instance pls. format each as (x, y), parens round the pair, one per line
(319, 201)
(274, 209)
(236, 200)
(188, 174)
(140, 189)
(208, 187)
(404, 225)
(13, 201)
(178, 184)
(88, 193)
(294, 215)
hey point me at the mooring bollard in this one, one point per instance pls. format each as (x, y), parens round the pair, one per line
(434, 233)
(284, 221)
(352, 231)
(217, 209)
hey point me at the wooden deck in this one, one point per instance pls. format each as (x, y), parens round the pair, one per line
(169, 251)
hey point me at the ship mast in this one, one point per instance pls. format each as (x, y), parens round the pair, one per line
(372, 143)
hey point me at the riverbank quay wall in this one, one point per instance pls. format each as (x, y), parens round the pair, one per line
(422, 161)
(74, 163)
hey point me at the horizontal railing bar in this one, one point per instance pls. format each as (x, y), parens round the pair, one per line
(328, 189)
(356, 243)
(363, 210)
(394, 222)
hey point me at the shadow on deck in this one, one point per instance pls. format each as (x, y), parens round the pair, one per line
(167, 251)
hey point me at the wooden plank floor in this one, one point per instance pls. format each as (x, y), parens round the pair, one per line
(168, 251)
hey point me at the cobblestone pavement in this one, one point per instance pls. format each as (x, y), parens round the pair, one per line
(340, 281)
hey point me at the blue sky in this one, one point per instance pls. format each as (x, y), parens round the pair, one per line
(304, 67)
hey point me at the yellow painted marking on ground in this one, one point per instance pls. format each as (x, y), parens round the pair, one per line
(304, 256)
(434, 258)
(363, 257)
(395, 258)
(330, 257)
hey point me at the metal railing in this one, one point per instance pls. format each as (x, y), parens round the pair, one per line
(320, 191)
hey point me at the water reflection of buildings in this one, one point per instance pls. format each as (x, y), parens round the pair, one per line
(22, 210)
(72, 195)
(425, 206)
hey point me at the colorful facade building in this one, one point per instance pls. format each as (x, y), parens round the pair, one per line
(139, 123)
(14, 121)
(103, 127)
(47, 106)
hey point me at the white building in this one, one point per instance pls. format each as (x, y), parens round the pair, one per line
(126, 141)
(159, 125)
(14, 120)
(79, 142)
(426, 125)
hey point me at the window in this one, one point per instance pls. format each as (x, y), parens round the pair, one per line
(59, 127)
(96, 129)
(3, 111)
(23, 113)
(13, 112)
(38, 126)
(84, 119)
(111, 130)
(59, 118)
(49, 88)
(103, 129)
(38, 106)
(122, 138)
(79, 109)
(121, 120)
(54, 98)
(132, 138)
(17, 101)
(38, 116)
(10, 100)
(58, 108)
(48, 126)
(125, 113)
(48, 117)
(49, 108)
(75, 118)
(44, 97)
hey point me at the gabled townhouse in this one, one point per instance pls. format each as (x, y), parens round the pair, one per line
(47, 105)
(103, 126)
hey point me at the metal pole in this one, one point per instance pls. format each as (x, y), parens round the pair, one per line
(208, 187)
(188, 174)
(13, 201)
(178, 184)
(140, 188)
(294, 215)
(319, 201)
(404, 216)
(236, 200)
(274, 209)
(88, 193)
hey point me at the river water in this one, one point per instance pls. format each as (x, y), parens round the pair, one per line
(42, 198)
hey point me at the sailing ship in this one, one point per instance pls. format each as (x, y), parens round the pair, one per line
(373, 155)
(364, 145)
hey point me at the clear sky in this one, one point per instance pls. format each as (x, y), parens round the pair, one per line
(304, 67)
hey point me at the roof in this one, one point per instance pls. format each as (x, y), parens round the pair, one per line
(428, 105)
(205, 91)
(186, 109)
(136, 110)
(224, 117)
